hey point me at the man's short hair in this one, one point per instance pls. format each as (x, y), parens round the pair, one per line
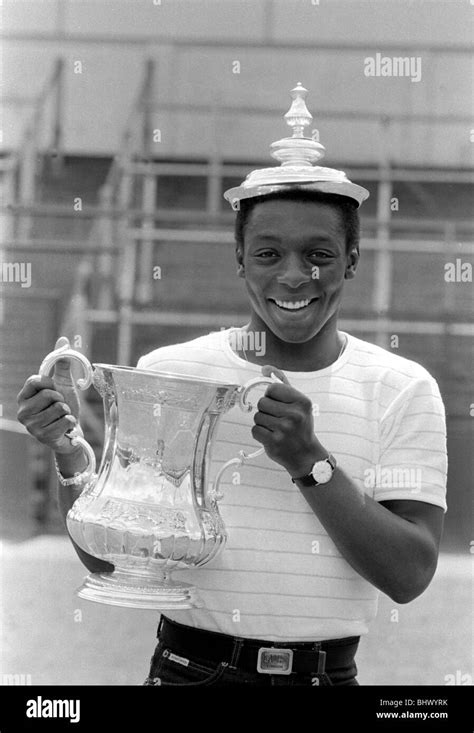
(347, 207)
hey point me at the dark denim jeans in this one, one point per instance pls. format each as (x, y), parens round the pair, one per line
(176, 668)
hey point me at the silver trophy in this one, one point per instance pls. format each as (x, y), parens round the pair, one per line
(150, 508)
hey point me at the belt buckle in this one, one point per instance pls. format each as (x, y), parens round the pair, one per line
(274, 661)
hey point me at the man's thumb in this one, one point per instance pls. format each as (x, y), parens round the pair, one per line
(62, 341)
(62, 369)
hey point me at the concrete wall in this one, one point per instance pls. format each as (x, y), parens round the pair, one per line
(240, 75)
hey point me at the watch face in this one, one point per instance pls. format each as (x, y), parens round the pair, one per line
(322, 472)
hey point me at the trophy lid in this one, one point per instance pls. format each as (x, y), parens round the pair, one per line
(297, 155)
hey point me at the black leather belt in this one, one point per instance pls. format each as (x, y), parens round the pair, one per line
(257, 655)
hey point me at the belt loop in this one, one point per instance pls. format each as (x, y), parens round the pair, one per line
(321, 662)
(160, 625)
(238, 641)
(321, 657)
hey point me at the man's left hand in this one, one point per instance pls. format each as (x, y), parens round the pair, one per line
(284, 425)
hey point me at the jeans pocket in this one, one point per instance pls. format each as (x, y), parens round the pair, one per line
(173, 670)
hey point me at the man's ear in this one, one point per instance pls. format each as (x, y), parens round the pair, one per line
(351, 263)
(240, 261)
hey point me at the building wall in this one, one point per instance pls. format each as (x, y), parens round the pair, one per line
(245, 76)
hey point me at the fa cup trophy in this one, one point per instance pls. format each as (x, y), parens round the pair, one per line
(151, 508)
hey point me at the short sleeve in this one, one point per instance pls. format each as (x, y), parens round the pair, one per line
(413, 459)
(149, 361)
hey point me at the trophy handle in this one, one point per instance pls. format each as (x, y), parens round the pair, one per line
(246, 406)
(75, 434)
(279, 376)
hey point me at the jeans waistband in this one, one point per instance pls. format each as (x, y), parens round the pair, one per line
(242, 653)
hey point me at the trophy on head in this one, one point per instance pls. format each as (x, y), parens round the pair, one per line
(297, 155)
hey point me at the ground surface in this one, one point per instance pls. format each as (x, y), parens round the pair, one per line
(57, 638)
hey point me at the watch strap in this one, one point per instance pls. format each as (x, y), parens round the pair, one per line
(305, 480)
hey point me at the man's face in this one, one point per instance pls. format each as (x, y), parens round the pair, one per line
(295, 263)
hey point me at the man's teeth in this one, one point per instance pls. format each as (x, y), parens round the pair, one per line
(292, 306)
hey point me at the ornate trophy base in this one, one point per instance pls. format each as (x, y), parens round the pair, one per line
(132, 591)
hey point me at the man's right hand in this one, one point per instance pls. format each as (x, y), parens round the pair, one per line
(49, 406)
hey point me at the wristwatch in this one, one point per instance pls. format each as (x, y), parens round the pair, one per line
(321, 473)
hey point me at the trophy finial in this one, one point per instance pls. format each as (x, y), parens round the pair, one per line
(298, 117)
(297, 150)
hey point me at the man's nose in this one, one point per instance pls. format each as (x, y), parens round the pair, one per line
(295, 273)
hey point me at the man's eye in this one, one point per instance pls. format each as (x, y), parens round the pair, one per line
(265, 254)
(321, 255)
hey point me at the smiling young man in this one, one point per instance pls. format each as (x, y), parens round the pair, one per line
(348, 498)
(313, 530)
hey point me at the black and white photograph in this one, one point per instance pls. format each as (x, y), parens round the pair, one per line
(237, 350)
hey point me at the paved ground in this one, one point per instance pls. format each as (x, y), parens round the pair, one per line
(56, 638)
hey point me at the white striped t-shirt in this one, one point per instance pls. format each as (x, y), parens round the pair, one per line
(280, 576)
